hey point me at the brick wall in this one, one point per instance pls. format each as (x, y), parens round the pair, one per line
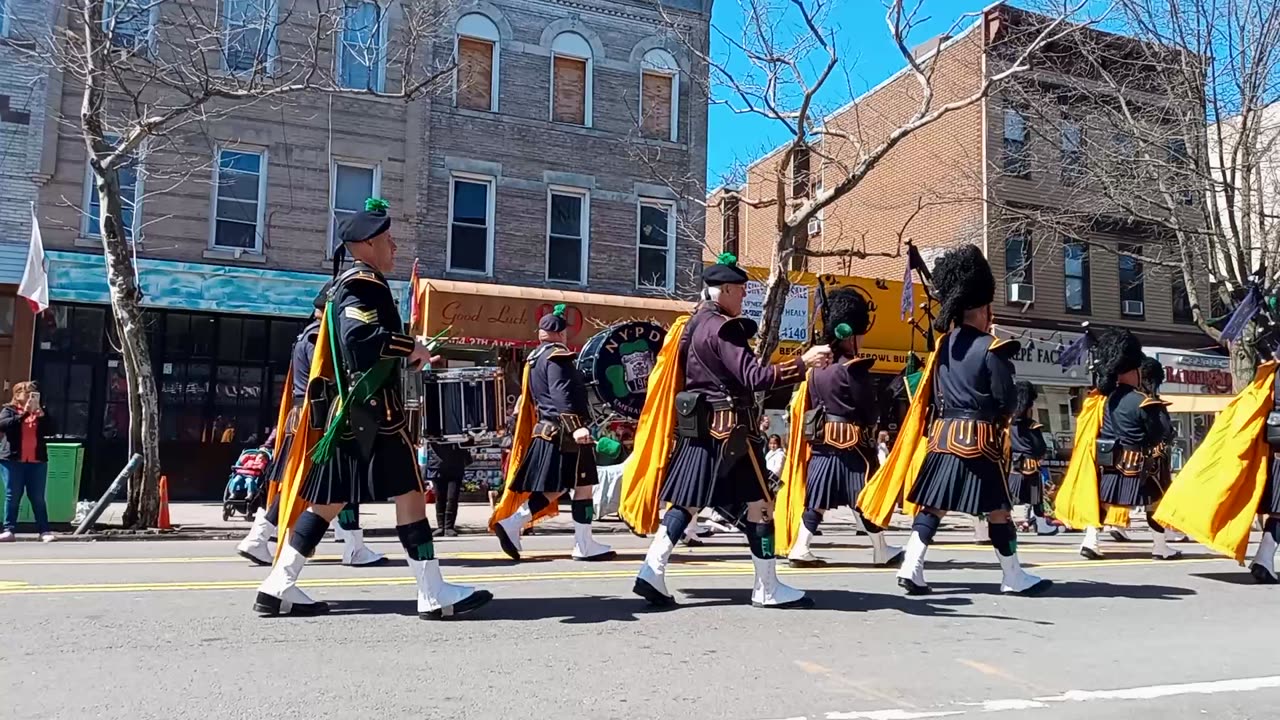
(23, 102)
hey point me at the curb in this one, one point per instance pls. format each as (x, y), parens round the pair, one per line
(198, 533)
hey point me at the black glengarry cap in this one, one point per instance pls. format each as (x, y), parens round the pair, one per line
(725, 271)
(554, 321)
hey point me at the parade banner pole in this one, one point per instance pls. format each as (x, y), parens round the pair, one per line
(105, 500)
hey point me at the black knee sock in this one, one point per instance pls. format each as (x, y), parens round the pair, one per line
(1155, 526)
(1272, 527)
(537, 503)
(811, 519)
(349, 518)
(1003, 538)
(675, 522)
(415, 538)
(273, 512)
(583, 510)
(926, 525)
(760, 538)
(307, 533)
(867, 525)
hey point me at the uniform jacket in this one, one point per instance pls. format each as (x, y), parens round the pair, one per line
(556, 387)
(719, 362)
(369, 330)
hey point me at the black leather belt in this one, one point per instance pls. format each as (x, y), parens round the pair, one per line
(968, 415)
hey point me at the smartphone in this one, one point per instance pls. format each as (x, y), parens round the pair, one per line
(35, 398)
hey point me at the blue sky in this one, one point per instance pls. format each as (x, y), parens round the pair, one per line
(867, 53)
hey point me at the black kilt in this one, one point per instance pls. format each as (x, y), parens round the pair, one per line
(275, 473)
(835, 478)
(547, 468)
(1115, 488)
(956, 484)
(1270, 502)
(1025, 488)
(391, 470)
(696, 478)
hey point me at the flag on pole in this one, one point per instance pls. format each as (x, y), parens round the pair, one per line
(908, 293)
(35, 279)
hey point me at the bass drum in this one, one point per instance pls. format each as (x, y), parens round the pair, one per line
(616, 364)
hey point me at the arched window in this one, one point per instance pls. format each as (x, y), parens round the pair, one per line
(571, 79)
(659, 96)
(476, 78)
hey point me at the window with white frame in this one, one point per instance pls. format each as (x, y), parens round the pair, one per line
(568, 231)
(656, 245)
(353, 184)
(1017, 159)
(249, 42)
(571, 68)
(471, 225)
(130, 198)
(361, 62)
(130, 23)
(239, 201)
(659, 96)
(476, 78)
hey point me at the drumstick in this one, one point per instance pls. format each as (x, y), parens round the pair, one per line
(432, 341)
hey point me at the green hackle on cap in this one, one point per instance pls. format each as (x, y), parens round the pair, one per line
(558, 310)
(726, 258)
(843, 331)
(375, 204)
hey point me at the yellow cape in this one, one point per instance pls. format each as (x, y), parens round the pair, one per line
(282, 421)
(645, 469)
(1215, 496)
(895, 477)
(1076, 504)
(795, 472)
(298, 464)
(521, 437)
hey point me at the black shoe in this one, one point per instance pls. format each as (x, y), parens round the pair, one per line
(266, 605)
(438, 532)
(912, 588)
(252, 559)
(896, 560)
(504, 540)
(450, 532)
(1177, 555)
(804, 602)
(602, 557)
(817, 533)
(651, 594)
(467, 604)
(692, 542)
(1090, 554)
(1036, 589)
(1262, 576)
(802, 563)
(1119, 536)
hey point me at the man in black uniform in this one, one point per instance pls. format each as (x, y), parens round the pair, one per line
(1027, 449)
(1132, 430)
(719, 454)
(561, 455)
(255, 547)
(366, 453)
(973, 400)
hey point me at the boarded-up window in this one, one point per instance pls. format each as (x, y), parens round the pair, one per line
(655, 105)
(475, 74)
(569, 91)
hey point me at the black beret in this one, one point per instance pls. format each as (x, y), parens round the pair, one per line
(846, 307)
(364, 225)
(553, 321)
(962, 280)
(322, 297)
(1116, 352)
(724, 272)
(1026, 394)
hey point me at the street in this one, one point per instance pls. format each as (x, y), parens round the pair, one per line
(163, 629)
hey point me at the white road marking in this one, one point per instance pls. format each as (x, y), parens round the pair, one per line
(1150, 692)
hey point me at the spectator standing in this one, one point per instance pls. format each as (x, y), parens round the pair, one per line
(451, 466)
(882, 446)
(24, 428)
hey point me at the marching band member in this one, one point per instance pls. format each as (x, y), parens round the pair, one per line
(354, 435)
(1232, 476)
(555, 455)
(969, 383)
(1028, 449)
(831, 451)
(254, 547)
(1134, 425)
(698, 444)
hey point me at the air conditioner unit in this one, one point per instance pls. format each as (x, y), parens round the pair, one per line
(1022, 293)
(1131, 307)
(815, 226)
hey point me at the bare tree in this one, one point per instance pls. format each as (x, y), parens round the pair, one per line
(156, 73)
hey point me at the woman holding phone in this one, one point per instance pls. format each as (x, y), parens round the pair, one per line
(24, 428)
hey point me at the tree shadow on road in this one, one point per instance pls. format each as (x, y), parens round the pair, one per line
(1073, 589)
(575, 610)
(855, 601)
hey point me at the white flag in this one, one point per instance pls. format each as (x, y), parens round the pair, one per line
(35, 280)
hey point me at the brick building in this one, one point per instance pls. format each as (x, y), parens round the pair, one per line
(24, 97)
(1005, 174)
(521, 173)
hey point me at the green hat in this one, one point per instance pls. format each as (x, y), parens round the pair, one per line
(607, 448)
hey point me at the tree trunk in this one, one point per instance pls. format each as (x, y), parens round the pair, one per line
(143, 508)
(1244, 362)
(775, 297)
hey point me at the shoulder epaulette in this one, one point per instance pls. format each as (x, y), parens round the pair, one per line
(739, 329)
(357, 274)
(1036, 426)
(861, 361)
(560, 351)
(1004, 348)
(1152, 401)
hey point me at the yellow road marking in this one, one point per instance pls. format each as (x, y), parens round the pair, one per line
(996, 672)
(682, 570)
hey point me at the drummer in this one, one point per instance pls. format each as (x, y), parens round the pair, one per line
(555, 454)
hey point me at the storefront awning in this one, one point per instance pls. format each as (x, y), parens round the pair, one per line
(1196, 403)
(507, 315)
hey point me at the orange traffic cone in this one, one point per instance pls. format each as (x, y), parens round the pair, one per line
(163, 523)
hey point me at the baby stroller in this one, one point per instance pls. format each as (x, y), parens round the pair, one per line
(247, 488)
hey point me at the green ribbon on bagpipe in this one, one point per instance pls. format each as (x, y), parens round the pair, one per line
(366, 386)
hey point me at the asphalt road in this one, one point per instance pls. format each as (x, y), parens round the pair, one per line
(163, 629)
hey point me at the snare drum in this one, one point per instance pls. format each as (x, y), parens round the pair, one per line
(463, 405)
(616, 365)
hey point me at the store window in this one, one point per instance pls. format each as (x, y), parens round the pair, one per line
(7, 314)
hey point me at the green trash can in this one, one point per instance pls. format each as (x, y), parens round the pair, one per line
(62, 488)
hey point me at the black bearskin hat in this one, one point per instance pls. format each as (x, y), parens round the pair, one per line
(1116, 352)
(1152, 374)
(1027, 395)
(963, 281)
(847, 314)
